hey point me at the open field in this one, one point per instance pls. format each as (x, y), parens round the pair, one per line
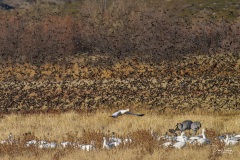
(84, 127)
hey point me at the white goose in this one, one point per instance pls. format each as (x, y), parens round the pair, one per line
(181, 143)
(65, 144)
(179, 138)
(31, 143)
(230, 141)
(44, 144)
(88, 147)
(127, 140)
(167, 144)
(203, 140)
(237, 136)
(114, 139)
(193, 139)
(110, 145)
(121, 112)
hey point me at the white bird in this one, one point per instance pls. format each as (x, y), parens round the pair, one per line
(31, 143)
(107, 144)
(167, 137)
(115, 144)
(203, 140)
(52, 145)
(230, 141)
(127, 140)
(65, 144)
(180, 144)
(4, 142)
(167, 144)
(114, 139)
(237, 136)
(193, 139)
(88, 147)
(44, 144)
(179, 138)
(121, 112)
(110, 145)
(220, 138)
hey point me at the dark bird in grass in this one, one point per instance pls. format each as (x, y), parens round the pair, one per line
(121, 112)
(195, 126)
(185, 125)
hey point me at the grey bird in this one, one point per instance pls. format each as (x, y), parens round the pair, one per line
(121, 112)
(195, 126)
(185, 125)
(10, 137)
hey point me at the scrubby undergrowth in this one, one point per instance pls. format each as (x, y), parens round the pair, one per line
(121, 28)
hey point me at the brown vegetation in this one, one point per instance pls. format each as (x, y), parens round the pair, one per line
(45, 32)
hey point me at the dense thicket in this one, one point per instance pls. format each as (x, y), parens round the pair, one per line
(45, 33)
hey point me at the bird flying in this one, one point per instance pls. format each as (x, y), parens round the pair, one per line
(121, 112)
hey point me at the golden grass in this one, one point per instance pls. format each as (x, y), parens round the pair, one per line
(133, 154)
(54, 126)
(86, 126)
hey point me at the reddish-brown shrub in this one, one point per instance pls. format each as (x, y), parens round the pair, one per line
(122, 29)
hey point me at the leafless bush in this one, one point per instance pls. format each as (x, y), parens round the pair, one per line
(123, 29)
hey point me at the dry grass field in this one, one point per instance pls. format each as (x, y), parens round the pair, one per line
(84, 127)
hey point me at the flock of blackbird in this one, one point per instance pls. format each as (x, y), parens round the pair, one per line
(204, 83)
